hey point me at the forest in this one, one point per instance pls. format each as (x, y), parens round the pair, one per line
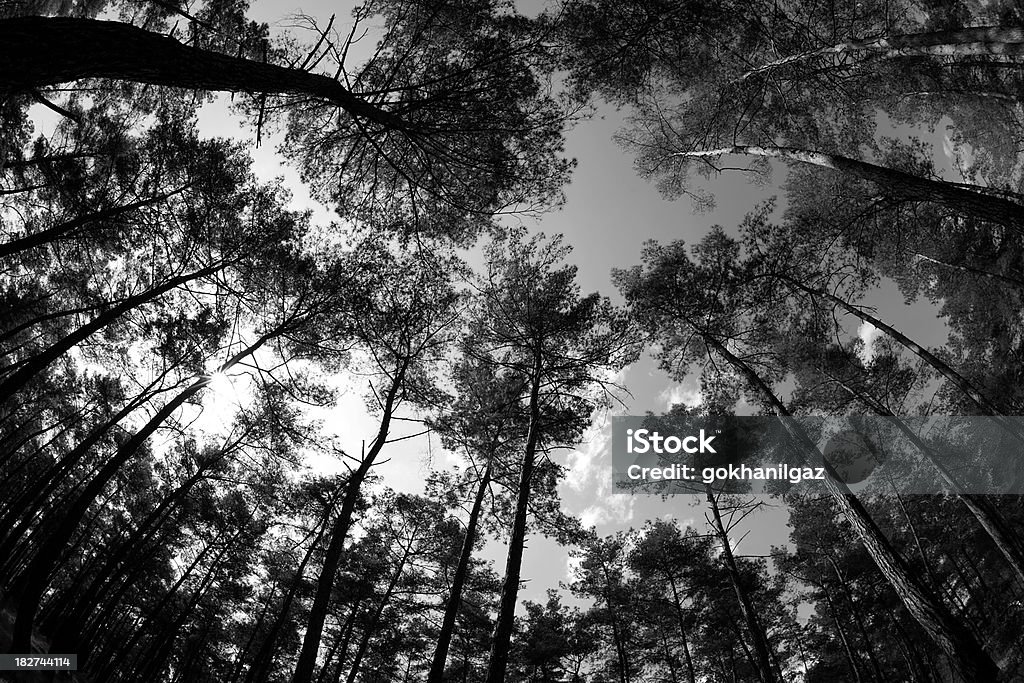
(213, 379)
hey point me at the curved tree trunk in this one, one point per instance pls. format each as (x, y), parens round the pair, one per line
(41, 51)
(954, 196)
(975, 40)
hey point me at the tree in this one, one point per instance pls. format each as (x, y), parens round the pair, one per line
(446, 123)
(403, 319)
(530, 319)
(486, 423)
(696, 308)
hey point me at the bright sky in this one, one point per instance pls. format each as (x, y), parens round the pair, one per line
(608, 215)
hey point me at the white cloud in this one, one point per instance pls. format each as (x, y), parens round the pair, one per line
(680, 393)
(612, 508)
(868, 333)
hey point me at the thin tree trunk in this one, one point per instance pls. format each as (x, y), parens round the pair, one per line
(850, 657)
(668, 656)
(620, 645)
(1013, 282)
(56, 232)
(682, 629)
(36, 577)
(38, 363)
(332, 558)
(987, 515)
(958, 380)
(977, 40)
(40, 51)
(953, 196)
(502, 638)
(762, 653)
(451, 608)
(371, 626)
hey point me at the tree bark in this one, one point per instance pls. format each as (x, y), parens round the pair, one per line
(451, 608)
(502, 638)
(976, 40)
(306, 663)
(966, 656)
(954, 196)
(762, 652)
(41, 51)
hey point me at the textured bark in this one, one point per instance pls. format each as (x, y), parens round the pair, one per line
(502, 638)
(954, 196)
(976, 40)
(966, 656)
(41, 51)
(451, 608)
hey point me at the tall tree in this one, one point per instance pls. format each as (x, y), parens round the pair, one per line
(530, 318)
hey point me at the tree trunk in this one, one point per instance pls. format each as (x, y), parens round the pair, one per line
(265, 655)
(986, 514)
(56, 232)
(332, 559)
(36, 577)
(502, 639)
(1013, 282)
(617, 637)
(368, 632)
(682, 629)
(451, 608)
(976, 40)
(762, 652)
(959, 381)
(38, 363)
(965, 654)
(850, 657)
(41, 51)
(954, 196)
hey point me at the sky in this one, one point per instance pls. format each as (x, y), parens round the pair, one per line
(608, 214)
